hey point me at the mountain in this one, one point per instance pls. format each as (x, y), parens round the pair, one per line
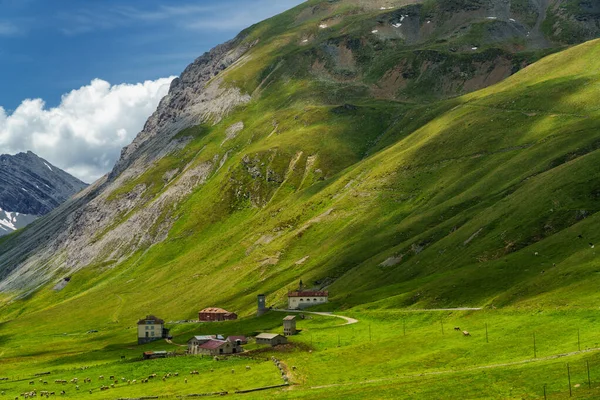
(30, 187)
(329, 143)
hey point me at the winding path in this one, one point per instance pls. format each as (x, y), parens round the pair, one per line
(349, 321)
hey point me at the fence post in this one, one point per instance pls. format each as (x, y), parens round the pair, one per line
(442, 322)
(587, 363)
(545, 398)
(569, 376)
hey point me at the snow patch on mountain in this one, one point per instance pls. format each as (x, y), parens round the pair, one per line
(11, 221)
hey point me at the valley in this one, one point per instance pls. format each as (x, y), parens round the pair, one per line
(433, 165)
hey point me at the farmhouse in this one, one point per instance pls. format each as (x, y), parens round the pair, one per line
(272, 339)
(196, 341)
(151, 328)
(289, 325)
(305, 298)
(216, 314)
(216, 347)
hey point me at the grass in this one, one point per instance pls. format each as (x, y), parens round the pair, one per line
(389, 351)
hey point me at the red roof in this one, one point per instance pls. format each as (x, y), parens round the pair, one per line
(309, 293)
(215, 310)
(212, 344)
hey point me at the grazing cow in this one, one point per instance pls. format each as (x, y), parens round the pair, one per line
(185, 380)
(77, 387)
(112, 377)
(457, 328)
(247, 368)
(101, 377)
(466, 333)
(233, 371)
(31, 382)
(62, 393)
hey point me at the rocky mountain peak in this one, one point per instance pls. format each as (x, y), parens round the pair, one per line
(31, 185)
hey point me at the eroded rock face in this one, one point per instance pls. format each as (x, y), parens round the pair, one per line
(95, 227)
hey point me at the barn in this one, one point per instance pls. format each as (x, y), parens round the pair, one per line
(212, 314)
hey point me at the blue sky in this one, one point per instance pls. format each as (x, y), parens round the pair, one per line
(52, 50)
(48, 47)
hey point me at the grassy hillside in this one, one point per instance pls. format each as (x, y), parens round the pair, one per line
(392, 200)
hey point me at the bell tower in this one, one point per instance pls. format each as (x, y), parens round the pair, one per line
(261, 306)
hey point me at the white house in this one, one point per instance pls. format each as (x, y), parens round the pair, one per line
(306, 298)
(151, 328)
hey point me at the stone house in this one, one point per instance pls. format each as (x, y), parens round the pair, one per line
(216, 347)
(272, 339)
(289, 325)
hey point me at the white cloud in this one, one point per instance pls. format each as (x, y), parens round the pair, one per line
(8, 29)
(85, 133)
